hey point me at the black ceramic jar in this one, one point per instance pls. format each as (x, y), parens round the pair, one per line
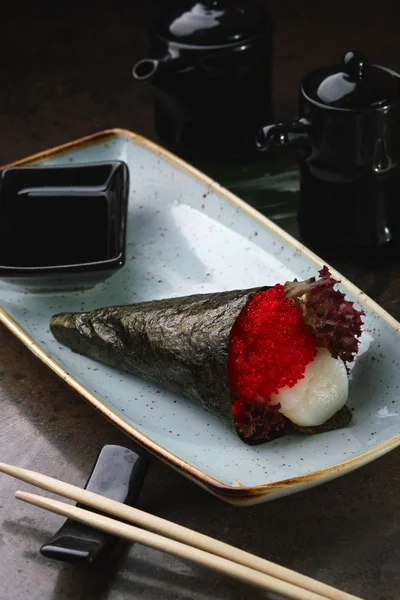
(348, 138)
(210, 67)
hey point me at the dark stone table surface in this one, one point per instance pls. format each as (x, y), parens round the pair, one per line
(66, 72)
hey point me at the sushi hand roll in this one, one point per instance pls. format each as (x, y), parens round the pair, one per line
(265, 360)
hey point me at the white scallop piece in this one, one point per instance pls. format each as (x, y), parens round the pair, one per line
(319, 395)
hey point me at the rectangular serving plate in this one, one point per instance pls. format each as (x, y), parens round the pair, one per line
(186, 234)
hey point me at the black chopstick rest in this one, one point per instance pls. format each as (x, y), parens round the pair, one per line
(118, 474)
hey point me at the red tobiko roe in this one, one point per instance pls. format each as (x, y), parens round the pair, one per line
(269, 348)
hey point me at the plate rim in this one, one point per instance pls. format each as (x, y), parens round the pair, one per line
(239, 495)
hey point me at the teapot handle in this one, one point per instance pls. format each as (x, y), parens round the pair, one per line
(294, 134)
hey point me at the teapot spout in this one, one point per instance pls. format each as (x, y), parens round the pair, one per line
(155, 72)
(145, 69)
(293, 135)
(148, 70)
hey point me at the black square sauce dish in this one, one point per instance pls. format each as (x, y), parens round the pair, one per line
(63, 226)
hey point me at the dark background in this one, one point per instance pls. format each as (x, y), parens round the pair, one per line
(66, 72)
(66, 65)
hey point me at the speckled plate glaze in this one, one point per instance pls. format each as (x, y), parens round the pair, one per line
(186, 234)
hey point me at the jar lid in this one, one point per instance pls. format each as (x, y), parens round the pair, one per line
(210, 23)
(355, 84)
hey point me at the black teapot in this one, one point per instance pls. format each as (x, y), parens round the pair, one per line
(348, 140)
(210, 67)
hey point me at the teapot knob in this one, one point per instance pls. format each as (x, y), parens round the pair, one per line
(354, 63)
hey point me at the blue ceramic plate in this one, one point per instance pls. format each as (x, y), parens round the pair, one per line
(186, 234)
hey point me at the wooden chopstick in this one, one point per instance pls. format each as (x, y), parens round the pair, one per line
(178, 532)
(206, 559)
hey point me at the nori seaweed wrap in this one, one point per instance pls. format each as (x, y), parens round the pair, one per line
(193, 345)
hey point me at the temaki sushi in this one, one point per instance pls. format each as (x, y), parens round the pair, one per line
(265, 360)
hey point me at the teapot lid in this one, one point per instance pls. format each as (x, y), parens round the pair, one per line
(355, 84)
(210, 23)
